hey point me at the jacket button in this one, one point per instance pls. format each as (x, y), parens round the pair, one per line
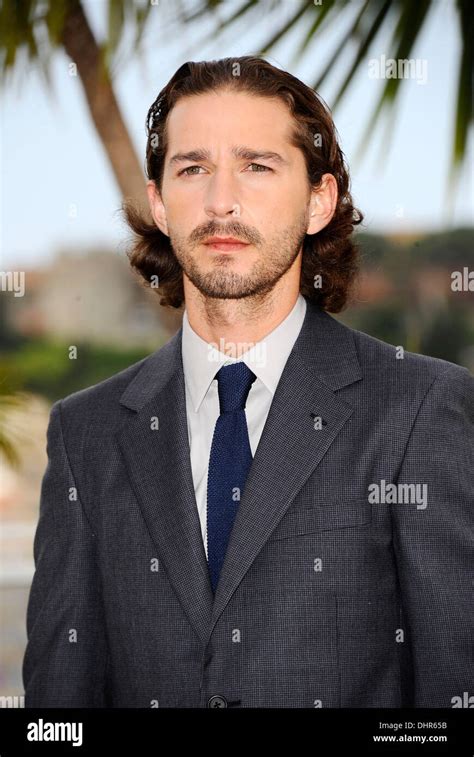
(217, 701)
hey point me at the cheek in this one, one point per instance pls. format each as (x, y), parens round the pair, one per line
(181, 212)
(278, 217)
(175, 197)
(281, 208)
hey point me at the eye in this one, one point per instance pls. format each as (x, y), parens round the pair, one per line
(259, 165)
(188, 169)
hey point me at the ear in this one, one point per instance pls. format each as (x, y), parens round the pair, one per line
(156, 206)
(322, 203)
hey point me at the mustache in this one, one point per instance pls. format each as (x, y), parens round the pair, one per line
(233, 230)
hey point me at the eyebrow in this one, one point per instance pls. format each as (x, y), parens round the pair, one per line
(239, 151)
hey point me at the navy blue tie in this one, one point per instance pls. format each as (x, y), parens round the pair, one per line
(229, 462)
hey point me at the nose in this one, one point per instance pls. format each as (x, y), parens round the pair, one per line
(221, 195)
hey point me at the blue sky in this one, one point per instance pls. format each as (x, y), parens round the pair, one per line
(52, 158)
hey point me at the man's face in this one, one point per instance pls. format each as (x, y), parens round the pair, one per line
(223, 190)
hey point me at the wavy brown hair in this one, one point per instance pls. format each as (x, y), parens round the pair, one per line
(330, 253)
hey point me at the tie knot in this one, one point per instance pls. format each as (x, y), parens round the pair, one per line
(234, 382)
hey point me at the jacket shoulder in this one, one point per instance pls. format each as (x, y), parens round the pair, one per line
(377, 356)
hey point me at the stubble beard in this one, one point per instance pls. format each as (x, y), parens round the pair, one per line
(274, 259)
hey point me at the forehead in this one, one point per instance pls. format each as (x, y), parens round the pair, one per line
(229, 117)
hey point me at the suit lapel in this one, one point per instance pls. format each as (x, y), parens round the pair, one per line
(159, 467)
(323, 359)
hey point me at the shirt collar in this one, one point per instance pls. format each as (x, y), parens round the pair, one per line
(266, 358)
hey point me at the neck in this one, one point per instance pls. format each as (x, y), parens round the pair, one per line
(235, 325)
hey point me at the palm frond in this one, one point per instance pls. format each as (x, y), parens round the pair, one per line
(226, 23)
(363, 48)
(34, 29)
(351, 33)
(322, 15)
(10, 440)
(410, 21)
(286, 27)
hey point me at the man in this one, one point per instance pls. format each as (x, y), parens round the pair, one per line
(273, 510)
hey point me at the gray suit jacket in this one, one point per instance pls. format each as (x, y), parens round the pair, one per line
(326, 598)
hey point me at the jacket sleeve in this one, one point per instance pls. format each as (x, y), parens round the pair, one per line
(434, 544)
(66, 654)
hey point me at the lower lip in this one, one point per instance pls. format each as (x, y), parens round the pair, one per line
(227, 246)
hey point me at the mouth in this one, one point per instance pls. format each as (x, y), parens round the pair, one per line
(225, 244)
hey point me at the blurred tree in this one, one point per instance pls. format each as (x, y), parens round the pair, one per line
(451, 248)
(10, 440)
(42, 27)
(44, 367)
(438, 323)
(383, 321)
(448, 334)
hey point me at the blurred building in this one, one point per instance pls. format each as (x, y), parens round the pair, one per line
(94, 297)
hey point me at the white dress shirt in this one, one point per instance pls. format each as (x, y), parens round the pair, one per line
(201, 361)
